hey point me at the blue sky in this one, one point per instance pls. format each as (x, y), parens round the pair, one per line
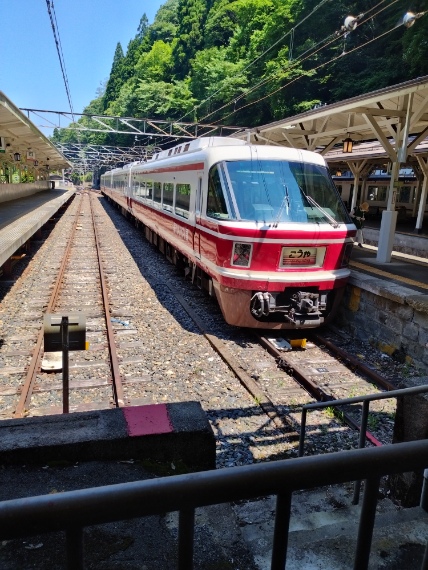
(30, 73)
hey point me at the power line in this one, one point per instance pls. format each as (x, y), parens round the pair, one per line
(343, 54)
(323, 43)
(55, 31)
(290, 32)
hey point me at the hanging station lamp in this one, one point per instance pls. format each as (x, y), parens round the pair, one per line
(347, 145)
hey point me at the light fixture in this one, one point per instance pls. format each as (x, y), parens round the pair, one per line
(347, 145)
(16, 157)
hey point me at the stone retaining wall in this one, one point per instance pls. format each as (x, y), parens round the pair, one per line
(391, 317)
(395, 320)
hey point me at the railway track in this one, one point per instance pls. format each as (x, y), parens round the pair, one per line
(161, 354)
(73, 281)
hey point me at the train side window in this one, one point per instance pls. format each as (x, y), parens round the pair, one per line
(168, 196)
(216, 203)
(182, 199)
(147, 190)
(157, 192)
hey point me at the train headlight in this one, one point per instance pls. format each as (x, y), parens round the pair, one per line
(241, 254)
(347, 254)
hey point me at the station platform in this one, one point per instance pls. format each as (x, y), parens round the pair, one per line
(403, 269)
(20, 219)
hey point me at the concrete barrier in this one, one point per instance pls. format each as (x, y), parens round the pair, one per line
(176, 433)
(15, 191)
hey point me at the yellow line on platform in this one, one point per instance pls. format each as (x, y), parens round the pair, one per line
(376, 271)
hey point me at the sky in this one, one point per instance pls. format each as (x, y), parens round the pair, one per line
(89, 30)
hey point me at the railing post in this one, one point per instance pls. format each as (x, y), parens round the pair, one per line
(424, 494)
(186, 529)
(367, 519)
(74, 539)
(280, 535)
(361, 444)
(65, 377)
(302, 432)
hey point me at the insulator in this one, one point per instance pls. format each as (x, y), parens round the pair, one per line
(350, 23)
(409, 19)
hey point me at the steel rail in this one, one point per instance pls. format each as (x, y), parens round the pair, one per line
(114, 360)
(351, 360)
(30, 378)
(245, 379)
(318, 393)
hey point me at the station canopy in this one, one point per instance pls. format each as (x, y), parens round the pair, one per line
(396, 118)
(21, 136)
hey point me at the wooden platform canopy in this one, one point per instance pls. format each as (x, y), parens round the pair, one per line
(395, 118)
(21, 136)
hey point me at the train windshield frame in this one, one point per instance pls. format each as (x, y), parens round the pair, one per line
(271, 191)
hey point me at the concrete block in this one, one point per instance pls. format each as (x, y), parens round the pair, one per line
(177, 432)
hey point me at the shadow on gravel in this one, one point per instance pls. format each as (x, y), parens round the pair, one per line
(159, 272)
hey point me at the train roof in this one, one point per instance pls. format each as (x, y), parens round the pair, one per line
(195, 145)
(238, 150)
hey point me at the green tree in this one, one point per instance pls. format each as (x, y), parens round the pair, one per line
(165, 100)
(166, 23)
(216, 79)
(190, 34)
(115, 80)
(155, 65)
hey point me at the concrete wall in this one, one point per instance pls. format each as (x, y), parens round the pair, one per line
(15, 191)
(391, 317)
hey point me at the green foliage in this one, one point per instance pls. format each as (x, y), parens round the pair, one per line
(166, 23)
(248, 62)
(164, 100)
(190, 33)
(215, 77)
(116, 77)
(155, 65)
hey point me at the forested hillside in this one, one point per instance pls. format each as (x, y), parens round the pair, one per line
(248, 62)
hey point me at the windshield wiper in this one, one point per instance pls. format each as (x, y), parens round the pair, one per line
(312, 202)
(285, 202)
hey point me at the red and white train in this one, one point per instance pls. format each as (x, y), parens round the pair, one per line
(261, 227)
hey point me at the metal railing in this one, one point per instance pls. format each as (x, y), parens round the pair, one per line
(364, 435)
(72, 511)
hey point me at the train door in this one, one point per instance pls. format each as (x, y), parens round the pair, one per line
(128, 191)
(198, 209)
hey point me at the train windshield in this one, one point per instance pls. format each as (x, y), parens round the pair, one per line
(273, 191)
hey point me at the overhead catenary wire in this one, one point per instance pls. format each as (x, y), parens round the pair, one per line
(57, 39)
(289, 32)
(54, 24)
(343, 54)
(368, 15)
(324, 43)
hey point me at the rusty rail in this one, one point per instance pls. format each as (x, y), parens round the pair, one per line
(30, 377)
